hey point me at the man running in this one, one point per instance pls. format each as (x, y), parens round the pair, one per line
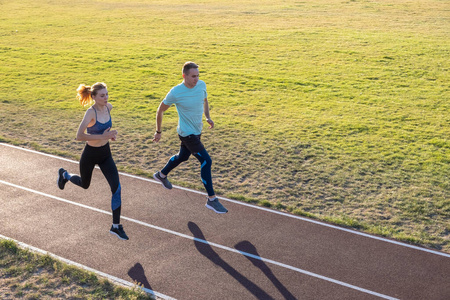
(190, 100)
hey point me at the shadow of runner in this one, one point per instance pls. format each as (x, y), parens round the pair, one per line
(206, 250)
(246, 246)
(137, 273)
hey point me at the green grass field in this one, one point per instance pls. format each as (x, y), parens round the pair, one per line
(337, 110)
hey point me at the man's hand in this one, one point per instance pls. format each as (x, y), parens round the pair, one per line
(157, 137)
(210, 122)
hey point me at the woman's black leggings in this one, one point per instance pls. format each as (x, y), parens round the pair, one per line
(102, 157)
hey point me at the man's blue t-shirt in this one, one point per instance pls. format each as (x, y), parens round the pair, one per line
(189, 104)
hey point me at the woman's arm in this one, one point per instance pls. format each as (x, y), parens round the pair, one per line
(89, 117)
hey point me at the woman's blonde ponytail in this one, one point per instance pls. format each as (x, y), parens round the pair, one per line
(85, 92)
(84, 95)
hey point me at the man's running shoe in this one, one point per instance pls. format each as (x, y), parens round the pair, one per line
(164, 181)
(216, 206)
(61, 180)
(119, 232)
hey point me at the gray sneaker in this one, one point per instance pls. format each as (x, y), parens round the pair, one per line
(216, 206)
(164, 181)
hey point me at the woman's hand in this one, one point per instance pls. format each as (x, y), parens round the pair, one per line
(110, 134)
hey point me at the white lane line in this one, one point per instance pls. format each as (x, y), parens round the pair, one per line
(70, 262)
(352, 231)
(204, 242)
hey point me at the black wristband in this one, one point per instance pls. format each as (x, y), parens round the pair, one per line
(158, 132)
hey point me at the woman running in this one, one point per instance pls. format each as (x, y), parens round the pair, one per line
(95, 129)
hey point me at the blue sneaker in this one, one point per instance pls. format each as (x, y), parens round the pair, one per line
(216, 206)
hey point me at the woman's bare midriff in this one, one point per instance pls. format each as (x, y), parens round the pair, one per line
(99, 143)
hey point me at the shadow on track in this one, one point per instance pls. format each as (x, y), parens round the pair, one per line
(206, 250)
(247, 247)
(137, 273)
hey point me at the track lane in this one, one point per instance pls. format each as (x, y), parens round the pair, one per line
(339, 255)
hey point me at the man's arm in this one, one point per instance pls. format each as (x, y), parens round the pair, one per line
(206, 112)
(159, 116)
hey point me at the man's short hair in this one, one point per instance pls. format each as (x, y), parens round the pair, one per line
(189, 65)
